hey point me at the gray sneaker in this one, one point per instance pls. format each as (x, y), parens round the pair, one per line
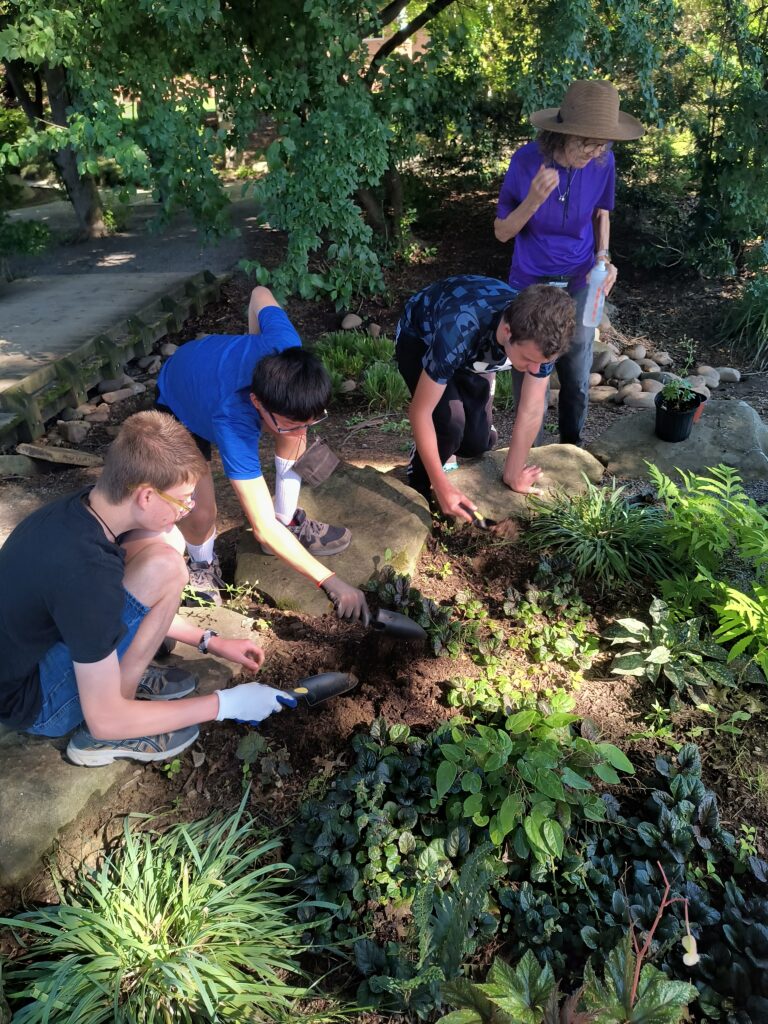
(86, 750)
(318, 538)
(205, 582)
(167, 683)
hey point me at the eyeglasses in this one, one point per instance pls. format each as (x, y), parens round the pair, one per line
(593, 146)
(185, 505)
(299, 426)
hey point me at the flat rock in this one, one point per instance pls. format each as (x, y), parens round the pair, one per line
(113, 384)
(381, 511)
(351, 322)
(563, 466)
(117, 396)
(603, 393)
(61, 456)
(729, 374)
(728, 432)
(42, 793)
(100, 416)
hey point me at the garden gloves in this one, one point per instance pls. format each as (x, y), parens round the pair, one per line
(348, 602)
(252, 702)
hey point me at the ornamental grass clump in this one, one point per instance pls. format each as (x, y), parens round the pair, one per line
(606, 539)
(187, 925)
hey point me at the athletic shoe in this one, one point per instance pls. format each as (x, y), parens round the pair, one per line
(451, 465)
(318, 538)
(205, 582)
(167, 683)
(86, 750)
(165, 648)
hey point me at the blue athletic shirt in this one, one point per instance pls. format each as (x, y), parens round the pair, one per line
(207, 385)
(456, 319)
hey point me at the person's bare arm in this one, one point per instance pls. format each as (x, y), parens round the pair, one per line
(601, 225)
(544, 181)
(256, 502)
(423, 403)
(109, 715)
(516, 474)
(260, 298)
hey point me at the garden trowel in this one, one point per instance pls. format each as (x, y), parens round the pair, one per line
(316, 689)
(397, 624)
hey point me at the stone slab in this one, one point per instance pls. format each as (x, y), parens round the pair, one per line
(61, 456)
(41, 793)
(728, 432)
(563, 466)
(381, 511)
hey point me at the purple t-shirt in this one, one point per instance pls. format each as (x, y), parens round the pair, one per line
(559, 238)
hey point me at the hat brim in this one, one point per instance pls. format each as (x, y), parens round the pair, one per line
(547, 121)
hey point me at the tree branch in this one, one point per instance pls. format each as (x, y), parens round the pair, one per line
(430, 11)
(32, 108)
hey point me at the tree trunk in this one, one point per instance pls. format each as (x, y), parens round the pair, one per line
(81, 188)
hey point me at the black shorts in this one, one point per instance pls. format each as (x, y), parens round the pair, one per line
(202, 444)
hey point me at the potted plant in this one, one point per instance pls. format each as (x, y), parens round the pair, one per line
(676, 405)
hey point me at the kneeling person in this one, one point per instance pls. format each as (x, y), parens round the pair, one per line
(226, 389)
(452, 339)
(89, 587)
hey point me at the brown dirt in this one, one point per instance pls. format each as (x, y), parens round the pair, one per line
(398, 681)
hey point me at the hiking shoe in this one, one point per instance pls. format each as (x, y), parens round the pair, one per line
(205, 582)
(317, 538)
(86, 750)
(167, 683)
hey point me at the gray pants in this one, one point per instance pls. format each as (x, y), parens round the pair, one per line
(573, 371)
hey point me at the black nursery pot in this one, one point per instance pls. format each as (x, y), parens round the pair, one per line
(675, 424)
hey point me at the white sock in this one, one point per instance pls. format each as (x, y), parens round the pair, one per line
(287, 487)
(202, 552)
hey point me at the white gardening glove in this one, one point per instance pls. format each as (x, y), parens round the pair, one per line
(252, 702)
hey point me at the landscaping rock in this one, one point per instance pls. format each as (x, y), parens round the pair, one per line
(70, 415)
(650, 365)
(702, 389)
(601, 358)
(625, 370)
(61, 456)
(554, 381)
(633, 387)
(381, 511)
(137, 388)
(728, 375)
(75, 431)
(87, 408)
(728, 432)
(663, 358)
(636, 352)
(347, 386)
(374, 330)
(41, 793)
(168, 348)
(18, 466)
(118, 396)
(595, 379)
(151, 364)
(101, 415)
(696, 380)
(661, 375)
(605, 393)
(710, 375)
(351, 322)
(640, 400)
(651, 387)
(113, 384)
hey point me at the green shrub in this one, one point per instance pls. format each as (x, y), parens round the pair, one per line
(13, 124)
(187, 925)
(746, 322)
(605, 539)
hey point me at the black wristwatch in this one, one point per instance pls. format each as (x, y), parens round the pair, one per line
(205, 640)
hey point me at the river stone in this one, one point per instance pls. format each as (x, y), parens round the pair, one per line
(702, 389)
(710, 375)
(604, 393)
(636, 352)
(374, 330)
(695, 380)
(113, 384)
(627, 369)
(42, 793)
(661, 375)
(633, 387)
(663, 358)
(601, 357)
(168, 348)
(728, 375)
(117, 396)
(73, 431)
(640, 400)
(728, 432)
(381, 511)
(351, 322)
(595, 379)
(651, 387)
(650, 365)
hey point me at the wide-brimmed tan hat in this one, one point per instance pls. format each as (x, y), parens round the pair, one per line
(591, 110)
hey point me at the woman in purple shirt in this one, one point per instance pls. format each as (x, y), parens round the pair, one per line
(555, 202)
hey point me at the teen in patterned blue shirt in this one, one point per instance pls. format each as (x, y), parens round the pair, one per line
(452, 338)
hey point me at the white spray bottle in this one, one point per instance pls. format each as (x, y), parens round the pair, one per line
(593, 310)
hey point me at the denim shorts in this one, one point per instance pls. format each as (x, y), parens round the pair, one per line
(60, 710)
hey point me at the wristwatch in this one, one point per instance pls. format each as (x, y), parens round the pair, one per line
(205, 640)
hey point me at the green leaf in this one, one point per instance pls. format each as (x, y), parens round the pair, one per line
(510, 812)
(446, 776)
(522, 721)
(615, 757)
